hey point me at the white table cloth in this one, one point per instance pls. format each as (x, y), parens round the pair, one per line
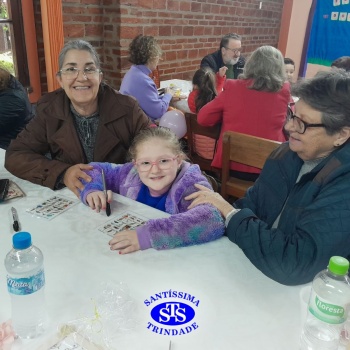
(239, 308)
(186, 88)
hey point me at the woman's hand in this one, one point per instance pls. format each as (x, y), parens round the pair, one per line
(97, 200)
(205, 195)
(170, 91)
(73, 175)
(125, 241)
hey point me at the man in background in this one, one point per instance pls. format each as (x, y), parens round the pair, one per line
(228, 55)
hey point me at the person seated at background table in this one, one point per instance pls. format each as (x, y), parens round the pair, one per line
(145, 53)
(206, 86)
(297, 214)
(15, 108)
(84, 121)
(254, 104)
(160, 177)
(289, 66)
(228, 55)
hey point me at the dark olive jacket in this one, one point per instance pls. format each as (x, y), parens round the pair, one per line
(52, 134)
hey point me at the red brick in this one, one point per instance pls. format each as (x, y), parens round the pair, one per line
(153, 31)
(90, 2)
(93, 30)
(185, 6)
(170, 56)
(196, 7)
(173, 5)
(148, 4)
(188, 31)
(74, 30)
(176, 30)
(77, 18)
(181, 54)
(159, 4)
(165, 31)
(129, 32)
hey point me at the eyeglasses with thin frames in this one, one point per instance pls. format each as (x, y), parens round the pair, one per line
(235, 51)
(163, 164)
(73, 72)
(301, 126)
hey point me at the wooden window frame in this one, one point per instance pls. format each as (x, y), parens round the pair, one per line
(18, 45)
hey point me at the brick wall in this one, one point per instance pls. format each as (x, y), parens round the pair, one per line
(186, 30)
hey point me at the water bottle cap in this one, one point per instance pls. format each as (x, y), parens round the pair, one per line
(22, 240)
(338, 265)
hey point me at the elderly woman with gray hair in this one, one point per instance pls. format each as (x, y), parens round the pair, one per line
(144, 54)
(254, 104)
(297, 214)
(84, 121)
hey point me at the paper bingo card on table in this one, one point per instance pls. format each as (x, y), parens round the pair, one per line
(124, 221)
(52, 207)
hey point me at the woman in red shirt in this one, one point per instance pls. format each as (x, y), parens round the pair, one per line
(254, 104)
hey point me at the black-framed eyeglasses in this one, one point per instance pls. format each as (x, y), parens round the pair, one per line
(72, 72)
(235, 51)
(300, 126)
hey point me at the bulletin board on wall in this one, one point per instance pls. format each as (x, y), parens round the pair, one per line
(330, 32)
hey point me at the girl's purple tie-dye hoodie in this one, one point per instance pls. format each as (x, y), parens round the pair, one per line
(201, 224)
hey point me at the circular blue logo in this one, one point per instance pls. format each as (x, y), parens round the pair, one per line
(172, 313)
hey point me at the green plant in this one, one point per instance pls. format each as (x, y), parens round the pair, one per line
(3, 11)
(8, 66)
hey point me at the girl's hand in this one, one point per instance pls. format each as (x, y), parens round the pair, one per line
(125, 241)
(205, 195)
(97, 200)
(222, 71)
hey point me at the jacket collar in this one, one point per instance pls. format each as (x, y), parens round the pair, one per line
(111, 107)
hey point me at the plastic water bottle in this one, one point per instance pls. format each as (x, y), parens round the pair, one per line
(25, 283)
(328, 307)
(345, 335)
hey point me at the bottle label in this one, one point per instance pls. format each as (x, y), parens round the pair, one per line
(326, 312)
(25, 286)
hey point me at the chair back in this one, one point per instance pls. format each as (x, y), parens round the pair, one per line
(155, 76)
(214, 184)
(194, 128)
(245, 149)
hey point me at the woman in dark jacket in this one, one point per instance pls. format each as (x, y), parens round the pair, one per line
(84, 121)
(15, 108)
(297, 214)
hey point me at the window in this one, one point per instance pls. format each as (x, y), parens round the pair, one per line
(13, 55)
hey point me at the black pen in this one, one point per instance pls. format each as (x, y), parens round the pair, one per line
(15, 219)
(108, 207)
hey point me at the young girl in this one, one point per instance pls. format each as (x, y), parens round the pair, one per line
(206, 86)
(159, 177)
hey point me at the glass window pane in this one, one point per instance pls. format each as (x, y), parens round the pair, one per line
(4, 11)
(6, 52)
